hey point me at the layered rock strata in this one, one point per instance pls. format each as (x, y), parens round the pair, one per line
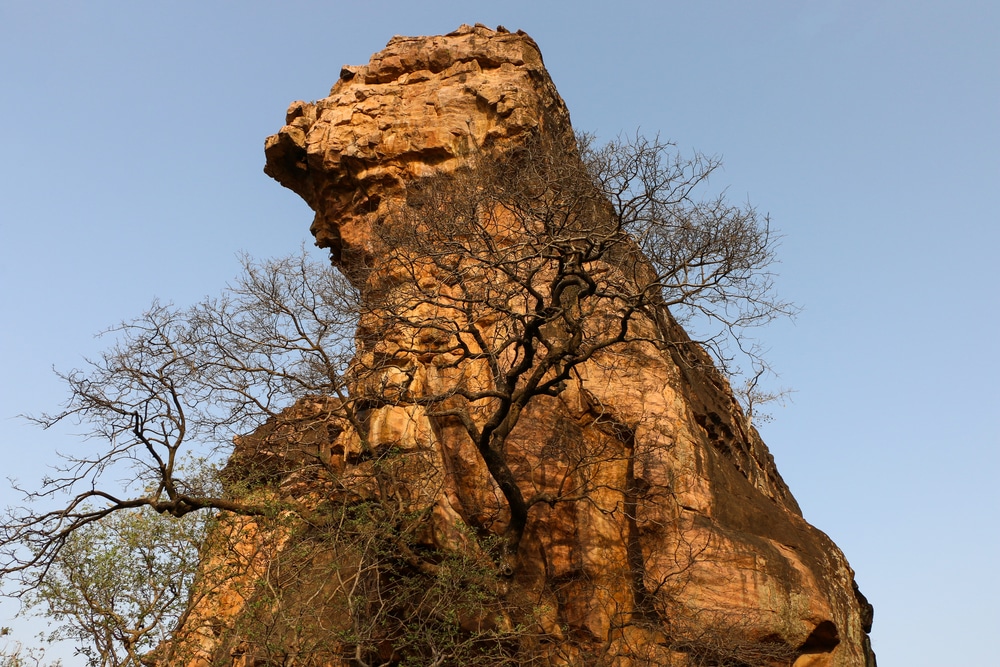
(688, 507)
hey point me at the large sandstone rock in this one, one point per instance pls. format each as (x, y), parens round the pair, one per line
(687, 509)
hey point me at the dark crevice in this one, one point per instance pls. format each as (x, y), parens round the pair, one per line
(642, 604)
(823, 639)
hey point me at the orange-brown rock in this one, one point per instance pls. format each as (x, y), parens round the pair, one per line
(419, 107)
(684, 502)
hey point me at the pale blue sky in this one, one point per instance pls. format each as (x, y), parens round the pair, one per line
(869, 130)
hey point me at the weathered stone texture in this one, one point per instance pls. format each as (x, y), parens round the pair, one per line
(419, 107)
(706, 517)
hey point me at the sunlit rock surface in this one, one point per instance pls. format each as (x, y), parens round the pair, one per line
(687, 505)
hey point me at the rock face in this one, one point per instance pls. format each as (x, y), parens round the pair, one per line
(416, 109)
(688, 543)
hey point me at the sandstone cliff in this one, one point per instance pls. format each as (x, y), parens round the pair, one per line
(686, 543)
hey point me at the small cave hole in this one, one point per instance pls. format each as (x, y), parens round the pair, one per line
(823, 639)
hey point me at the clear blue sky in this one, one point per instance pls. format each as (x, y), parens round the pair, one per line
(131, 168)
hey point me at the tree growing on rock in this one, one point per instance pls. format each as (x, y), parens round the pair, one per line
(526, 268)
(504, 278)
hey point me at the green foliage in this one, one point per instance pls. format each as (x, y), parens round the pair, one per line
(363, 584)
(120, 585)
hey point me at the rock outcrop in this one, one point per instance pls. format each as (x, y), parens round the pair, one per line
(687, 543)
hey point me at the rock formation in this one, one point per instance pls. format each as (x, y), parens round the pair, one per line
(687, 543)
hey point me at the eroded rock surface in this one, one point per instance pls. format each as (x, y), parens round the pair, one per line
(419, 107)
(688, 507)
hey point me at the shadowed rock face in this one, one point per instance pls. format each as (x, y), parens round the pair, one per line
(690, 509)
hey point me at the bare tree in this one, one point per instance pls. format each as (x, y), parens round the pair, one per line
(511, 273)
(179, 382)
(176, 383)
(527, 267)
